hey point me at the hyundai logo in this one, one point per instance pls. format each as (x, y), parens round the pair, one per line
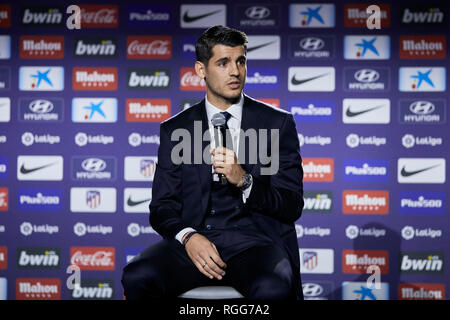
(93, 165)
(41, 106)
(257, 12)
(312, 44)
(312, 289)
(367, 75)
(421, 107)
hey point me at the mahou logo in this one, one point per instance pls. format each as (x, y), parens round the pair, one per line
(3, 257)
(147, 110)
(318, 169)
(99, 16)
(41, 47)
(421, 291)
(38, 289)
(5, 15)
(365, 202)
(422, 47)
(4, 199)
(356, 15)
(190, 81)
(357, 261)
(93, 258)
(94, 78)
(149, 47)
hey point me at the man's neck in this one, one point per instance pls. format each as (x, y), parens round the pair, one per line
(222, 104)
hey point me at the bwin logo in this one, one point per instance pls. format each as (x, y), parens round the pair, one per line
(422, 107)
(41, 106)
(257, 12)
(367, 75)
(93, 165)
(312, 44)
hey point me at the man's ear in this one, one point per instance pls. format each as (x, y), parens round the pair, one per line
(200, 69)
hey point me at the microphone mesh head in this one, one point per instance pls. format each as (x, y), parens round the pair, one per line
(218, 120)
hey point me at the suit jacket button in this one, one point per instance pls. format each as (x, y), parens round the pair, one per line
(213, 211)
(208, 226)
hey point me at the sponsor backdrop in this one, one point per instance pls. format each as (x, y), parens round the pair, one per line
(79, 131)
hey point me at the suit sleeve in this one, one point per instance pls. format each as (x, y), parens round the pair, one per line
(280, 195)
(166, 205)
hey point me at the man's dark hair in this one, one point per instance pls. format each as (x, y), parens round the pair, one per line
(218, 35)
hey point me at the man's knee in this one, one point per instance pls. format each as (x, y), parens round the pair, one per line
(142, 279)
(273, 285)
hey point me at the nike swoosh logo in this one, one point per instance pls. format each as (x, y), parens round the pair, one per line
(350, 113)
(188, 19)
(132, 203)
(297, 82)
(24, 170)
(260, 46)
(405, 173)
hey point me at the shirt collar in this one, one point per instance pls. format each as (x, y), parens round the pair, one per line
(235, 109)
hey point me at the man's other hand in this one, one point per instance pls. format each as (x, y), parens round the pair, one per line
(205, 256)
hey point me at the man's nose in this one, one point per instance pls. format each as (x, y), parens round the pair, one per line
(234, 69)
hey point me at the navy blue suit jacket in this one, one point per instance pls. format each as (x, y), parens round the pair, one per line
(181, 192)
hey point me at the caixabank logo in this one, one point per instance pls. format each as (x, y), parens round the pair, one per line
(5, 47)
(94, 110)
(363, 291)
(421, 291)
(370, 47)
(41, 78)
(422, 262)
(93, 289)
(312, 15)
(422, 79)
(38, 289)
(39, 258)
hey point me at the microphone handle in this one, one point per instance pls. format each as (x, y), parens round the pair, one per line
(218, 138)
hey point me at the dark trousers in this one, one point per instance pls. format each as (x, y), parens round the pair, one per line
(164, 270)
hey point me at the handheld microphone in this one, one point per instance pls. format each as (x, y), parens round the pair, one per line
(218, 121)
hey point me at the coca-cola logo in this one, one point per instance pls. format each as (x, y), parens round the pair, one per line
(190, 81)
(98, 16)
(93, 258)
(149, 47)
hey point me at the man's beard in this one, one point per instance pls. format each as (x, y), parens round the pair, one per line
(234, 98)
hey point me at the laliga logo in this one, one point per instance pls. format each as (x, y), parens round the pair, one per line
(352, 232)
(408, 233)
(135, 139)
(408, 141)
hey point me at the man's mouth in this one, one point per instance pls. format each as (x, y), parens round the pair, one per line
(234, 85)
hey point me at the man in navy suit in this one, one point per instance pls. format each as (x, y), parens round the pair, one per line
(241, 232)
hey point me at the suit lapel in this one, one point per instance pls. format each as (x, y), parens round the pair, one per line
(250, 120)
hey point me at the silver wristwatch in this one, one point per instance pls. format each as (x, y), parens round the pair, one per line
(247, 181)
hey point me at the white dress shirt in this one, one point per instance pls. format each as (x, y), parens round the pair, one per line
(234, 125)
